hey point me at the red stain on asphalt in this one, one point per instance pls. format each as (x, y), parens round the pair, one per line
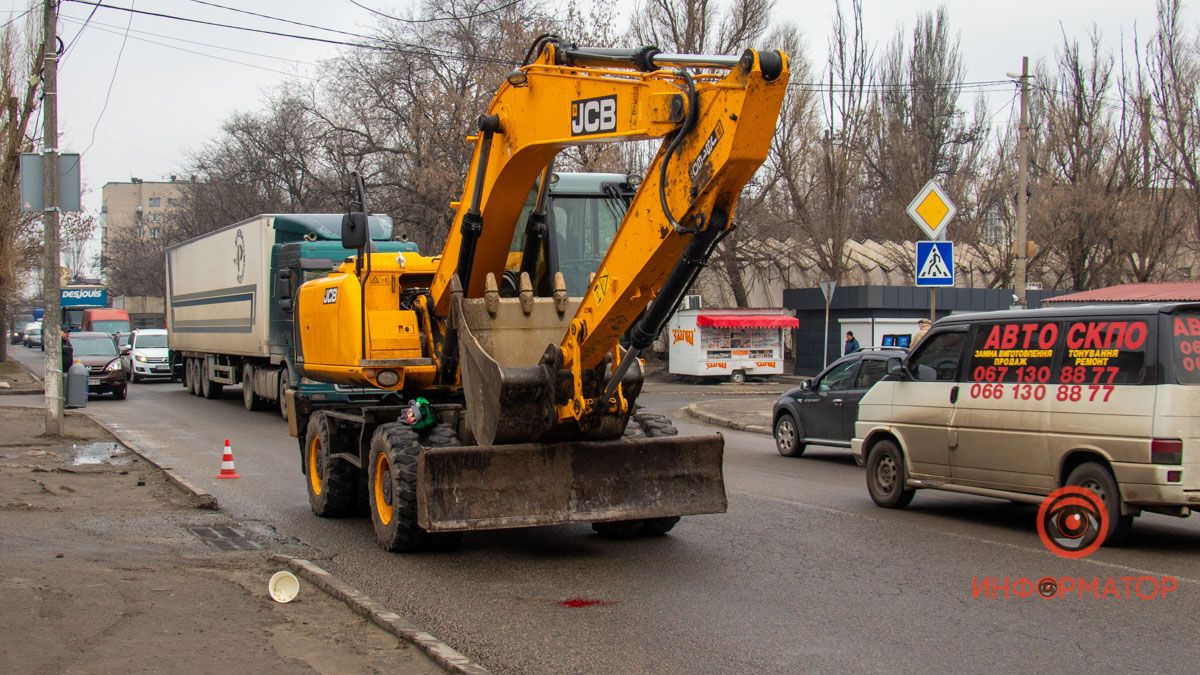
(581, 602)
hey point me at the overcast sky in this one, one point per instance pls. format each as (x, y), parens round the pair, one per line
(174, 83)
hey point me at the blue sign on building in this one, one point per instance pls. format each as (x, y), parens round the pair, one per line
(935, 263)
(93, 296)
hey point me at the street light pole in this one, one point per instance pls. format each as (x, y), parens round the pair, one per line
(52, 318)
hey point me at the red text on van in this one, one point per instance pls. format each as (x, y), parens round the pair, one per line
(1022, 336)
(1123, 335)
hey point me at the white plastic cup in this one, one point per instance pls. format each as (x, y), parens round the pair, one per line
(283, 586)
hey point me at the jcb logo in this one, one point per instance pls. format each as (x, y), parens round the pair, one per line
(593, 115)
(330, 295)
(679, 335)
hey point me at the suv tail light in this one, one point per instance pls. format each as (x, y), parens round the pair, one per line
(1166, 451)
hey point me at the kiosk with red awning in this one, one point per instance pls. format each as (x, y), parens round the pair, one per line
(732, 343)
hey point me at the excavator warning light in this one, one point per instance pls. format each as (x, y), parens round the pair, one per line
(518, 78)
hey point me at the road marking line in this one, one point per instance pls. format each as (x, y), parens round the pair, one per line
(980, 540)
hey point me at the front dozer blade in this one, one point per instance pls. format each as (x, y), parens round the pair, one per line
(530, 484)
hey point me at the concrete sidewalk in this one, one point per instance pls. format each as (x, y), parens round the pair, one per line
(107, 568)
(745, 413)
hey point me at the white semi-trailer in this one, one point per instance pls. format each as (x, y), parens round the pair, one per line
(230, 308)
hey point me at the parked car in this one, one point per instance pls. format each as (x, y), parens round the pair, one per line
(16, 335)
(98, 351)
(147, 355)
(32, 335)
(822, 411)
(1018, 404)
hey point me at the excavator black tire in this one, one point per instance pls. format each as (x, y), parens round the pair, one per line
(642, 425)
(392, 485)
(332, 485)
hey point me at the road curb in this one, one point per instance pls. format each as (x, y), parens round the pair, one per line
(202, 499)
(699, 414)
(445, 655)
(21, 392)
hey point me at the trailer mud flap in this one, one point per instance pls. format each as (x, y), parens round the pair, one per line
(494, 487)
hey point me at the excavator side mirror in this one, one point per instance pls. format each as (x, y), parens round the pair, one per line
(355, 232)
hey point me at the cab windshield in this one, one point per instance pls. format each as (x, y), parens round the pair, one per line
(119, 326)
(93, 346)
(151, 341)
(584, 228)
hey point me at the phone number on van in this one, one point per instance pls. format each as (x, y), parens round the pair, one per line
(1073, 393)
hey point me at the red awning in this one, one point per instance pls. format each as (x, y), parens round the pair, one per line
(747, 321)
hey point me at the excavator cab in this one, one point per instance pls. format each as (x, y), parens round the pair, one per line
(584, 212)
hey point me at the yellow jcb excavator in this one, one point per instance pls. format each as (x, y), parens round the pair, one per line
(514, 397)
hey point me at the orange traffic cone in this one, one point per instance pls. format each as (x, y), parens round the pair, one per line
(227, 470)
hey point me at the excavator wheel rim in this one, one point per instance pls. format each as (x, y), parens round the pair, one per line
(314, 464)
(382, 488)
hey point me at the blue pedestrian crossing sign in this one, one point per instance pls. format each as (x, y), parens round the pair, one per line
(935, 263)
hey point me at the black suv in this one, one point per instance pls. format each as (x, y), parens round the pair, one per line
(822, 411)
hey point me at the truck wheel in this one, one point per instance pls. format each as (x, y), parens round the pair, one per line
(886, 476)
(282, 395)
(250, 399)
(189, 377)
(738, 377)
(332, 483)
(651, 425)
(392, 481)
(209, 388)
(1098, 479)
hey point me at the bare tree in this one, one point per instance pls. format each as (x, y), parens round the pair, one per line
(20, 87)
(1078, 184)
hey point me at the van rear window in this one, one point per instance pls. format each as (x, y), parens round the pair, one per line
(1093, 352)
(1185, 338)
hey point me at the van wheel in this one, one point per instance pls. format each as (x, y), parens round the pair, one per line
(886, 476)
(1099, 479)
(738, 377)
(787, 436)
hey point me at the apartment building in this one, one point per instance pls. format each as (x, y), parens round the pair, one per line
(140, 206)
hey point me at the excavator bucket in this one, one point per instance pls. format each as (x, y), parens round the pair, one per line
(522, 469)
(501, 486)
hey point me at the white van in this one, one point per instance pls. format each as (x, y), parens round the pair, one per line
(1016, 404)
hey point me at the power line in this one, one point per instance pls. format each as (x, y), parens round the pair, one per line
(193, 42)
(16, 18)
(275, 18)
(233, 27)
(452, 17)
(67, 50)
(99, 26)
(387, 46)
(111, 81)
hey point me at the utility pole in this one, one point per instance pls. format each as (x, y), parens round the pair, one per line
(52, 319)
(1020, 262)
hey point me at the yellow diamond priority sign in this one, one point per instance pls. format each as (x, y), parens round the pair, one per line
(932, 210)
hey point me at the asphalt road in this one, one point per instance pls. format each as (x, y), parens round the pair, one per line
(804, 573)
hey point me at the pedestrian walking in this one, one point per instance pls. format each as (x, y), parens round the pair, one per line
(851, 343)
(922, 328)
